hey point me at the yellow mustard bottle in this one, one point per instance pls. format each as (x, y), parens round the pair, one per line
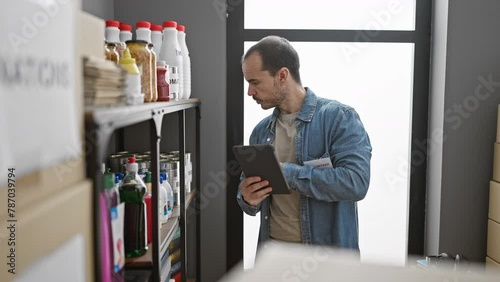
(140, 51)
(128, 63)
(132, 80)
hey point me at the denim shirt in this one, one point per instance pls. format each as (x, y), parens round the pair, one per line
(328, 208)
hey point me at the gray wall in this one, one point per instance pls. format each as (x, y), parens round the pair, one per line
(104, 9)
(469, 123)
(206, 40)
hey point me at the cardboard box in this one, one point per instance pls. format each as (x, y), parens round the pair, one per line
(492, 265)
(90, 37)
(496, 163)
(498, 125)
(494, 209)
(38, 112)
(40, 185)
(90, 31)
(493, 249)
(45, 225)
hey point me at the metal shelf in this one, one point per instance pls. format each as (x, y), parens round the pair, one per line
(100, 123)
(122, 116)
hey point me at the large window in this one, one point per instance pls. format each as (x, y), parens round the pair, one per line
(373, 56)
(330, 14)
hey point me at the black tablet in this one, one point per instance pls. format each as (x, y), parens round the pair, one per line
(260, 160)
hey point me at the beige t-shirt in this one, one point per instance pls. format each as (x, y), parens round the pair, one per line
(285, 220)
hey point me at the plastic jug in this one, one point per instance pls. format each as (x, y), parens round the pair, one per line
(156, 38)
(125, 32)
(186, 62)
(171, 51)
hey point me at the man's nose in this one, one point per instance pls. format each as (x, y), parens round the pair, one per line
(251, 91)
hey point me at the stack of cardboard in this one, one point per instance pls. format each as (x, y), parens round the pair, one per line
(103, 82)
(493, 249)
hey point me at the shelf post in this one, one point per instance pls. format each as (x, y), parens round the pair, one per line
(198, 194)
(155, 136)
(182, 191)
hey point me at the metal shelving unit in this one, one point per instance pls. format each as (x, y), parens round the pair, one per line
(100, 124)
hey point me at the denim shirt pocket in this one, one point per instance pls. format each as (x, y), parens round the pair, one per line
(317, 156)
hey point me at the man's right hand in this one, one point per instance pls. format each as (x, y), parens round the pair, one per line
(252, 190)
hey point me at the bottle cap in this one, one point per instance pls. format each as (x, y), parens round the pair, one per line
(143, 24)
(125, 27)
(169, 24)
(161, 64)
(137, 41)
(112, 23)
(181, 28)
(127, 59)
(132, 166)
(109, 180)
(155, 27)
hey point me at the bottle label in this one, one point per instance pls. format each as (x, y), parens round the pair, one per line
(117, 216)
(173, 80)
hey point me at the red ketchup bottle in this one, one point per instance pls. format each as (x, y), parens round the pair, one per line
(162, 82)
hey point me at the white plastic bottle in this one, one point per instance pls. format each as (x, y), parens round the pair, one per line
(143, 31)
(112, 35)
(156, 38)
(163, 202)
(125, 32)
(171, 51)
(170, 196)
(186, 62)
(112, 32)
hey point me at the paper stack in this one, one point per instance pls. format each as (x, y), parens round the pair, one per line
(104, 82)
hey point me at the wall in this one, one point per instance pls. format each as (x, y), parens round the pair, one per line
(469, 120)
(103, 9)
(206, 39)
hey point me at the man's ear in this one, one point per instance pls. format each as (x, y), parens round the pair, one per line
(283, 74)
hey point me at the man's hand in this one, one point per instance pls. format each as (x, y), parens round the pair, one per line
(252, 190)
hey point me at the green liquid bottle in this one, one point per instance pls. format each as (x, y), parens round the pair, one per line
(132, 193)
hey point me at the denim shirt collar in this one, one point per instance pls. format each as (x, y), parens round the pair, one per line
(306, 111)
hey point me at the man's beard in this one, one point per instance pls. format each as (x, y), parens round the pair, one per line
(278, 97)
